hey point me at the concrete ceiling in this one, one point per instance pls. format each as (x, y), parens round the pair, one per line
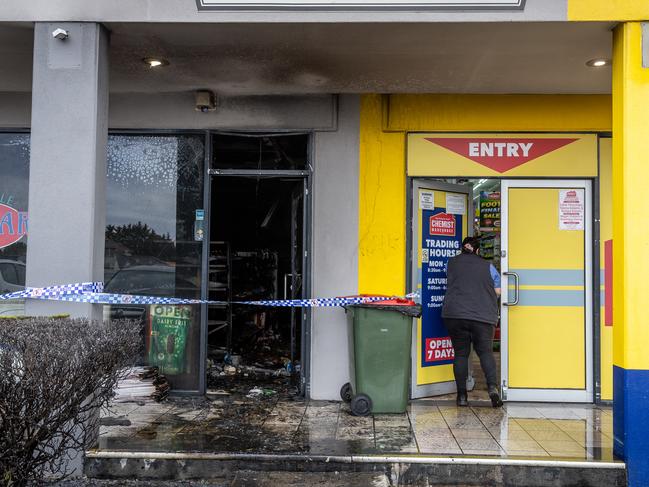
(343, 58)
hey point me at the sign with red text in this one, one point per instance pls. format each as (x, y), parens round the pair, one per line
(490, 211)
(439, 349)
(441, 239)
(571, 209)
(442, 224)
(501, 155)
(13, 225)
(495, 155)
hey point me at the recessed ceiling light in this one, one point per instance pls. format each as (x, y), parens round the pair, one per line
(598, 62)
(154, 62)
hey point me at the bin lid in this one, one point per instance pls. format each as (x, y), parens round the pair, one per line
(401, 305)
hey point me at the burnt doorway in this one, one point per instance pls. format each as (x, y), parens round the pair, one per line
(257, 236)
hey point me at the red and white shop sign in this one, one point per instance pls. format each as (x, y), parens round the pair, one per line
(13, 225)
(442, 224)
(439, 349)
(501, 154)
(571, 209)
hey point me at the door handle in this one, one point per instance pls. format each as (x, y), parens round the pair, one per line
(516, 290)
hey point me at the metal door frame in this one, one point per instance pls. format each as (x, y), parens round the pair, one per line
(439, 388)
(306, 176)
(548, 395)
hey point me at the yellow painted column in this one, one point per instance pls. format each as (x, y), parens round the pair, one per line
(382, 216)
(631, 251)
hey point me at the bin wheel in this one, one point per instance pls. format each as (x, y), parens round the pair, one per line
(346, 392)
(361, 405)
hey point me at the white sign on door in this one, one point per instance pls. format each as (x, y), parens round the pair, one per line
(455, 204)
(571, 209)
(427, 200)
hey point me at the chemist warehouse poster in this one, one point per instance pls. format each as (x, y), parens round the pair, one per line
(441, 240)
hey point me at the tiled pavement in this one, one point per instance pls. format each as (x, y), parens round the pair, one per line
(254, 425)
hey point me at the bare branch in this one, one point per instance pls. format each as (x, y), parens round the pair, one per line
(54, 376)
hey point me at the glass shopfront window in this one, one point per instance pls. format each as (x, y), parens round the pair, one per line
(287, 152)
(154, 244)
(14, 193)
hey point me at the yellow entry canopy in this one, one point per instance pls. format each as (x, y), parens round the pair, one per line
(502, 155)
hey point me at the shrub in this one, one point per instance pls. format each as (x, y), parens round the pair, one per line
(55, 374)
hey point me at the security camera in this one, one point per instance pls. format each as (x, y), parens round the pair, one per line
(204, 101)
(60, 34)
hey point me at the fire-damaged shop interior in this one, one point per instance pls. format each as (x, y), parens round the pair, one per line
(245, 242)
(256, 252)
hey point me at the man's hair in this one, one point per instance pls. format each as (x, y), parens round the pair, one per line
(470, 245)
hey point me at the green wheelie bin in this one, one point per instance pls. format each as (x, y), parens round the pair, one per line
(380, 337)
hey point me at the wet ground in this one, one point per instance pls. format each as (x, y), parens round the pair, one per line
(256, 479)
(253, 479)
(278, 423)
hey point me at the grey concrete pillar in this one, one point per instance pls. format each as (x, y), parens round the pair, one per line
(335, 246)
(68, 161)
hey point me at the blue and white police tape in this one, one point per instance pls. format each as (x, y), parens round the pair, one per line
(51, 292)
(92, 292)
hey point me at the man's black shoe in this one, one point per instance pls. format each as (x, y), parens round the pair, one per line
(495, 397)
(462, 399)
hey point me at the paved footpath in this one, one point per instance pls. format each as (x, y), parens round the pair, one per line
(253, 479)
(256, 479)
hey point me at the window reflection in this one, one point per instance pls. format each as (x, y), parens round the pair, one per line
(155, 184)
(154, 187)
(14, 193)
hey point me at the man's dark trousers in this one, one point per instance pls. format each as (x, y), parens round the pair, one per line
(463, 333)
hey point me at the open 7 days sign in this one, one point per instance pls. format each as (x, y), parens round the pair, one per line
(362, 4)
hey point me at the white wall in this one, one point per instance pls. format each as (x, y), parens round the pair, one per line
(335, 246)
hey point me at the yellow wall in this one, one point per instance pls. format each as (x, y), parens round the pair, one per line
(608, 10)
(385, 120)
(498, 113)
(630, 203)
(384, 123)
(382, 239)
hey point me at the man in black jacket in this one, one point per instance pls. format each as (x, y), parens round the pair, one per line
(470, 313)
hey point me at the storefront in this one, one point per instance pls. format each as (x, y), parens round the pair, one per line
(299, 172)
(551, 321)
(193, 214)
(537, 233)
(541, 203)
(176, 228)
(223, 214)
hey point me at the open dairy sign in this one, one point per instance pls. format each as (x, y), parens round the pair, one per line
(361, 4)
(13, 225)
